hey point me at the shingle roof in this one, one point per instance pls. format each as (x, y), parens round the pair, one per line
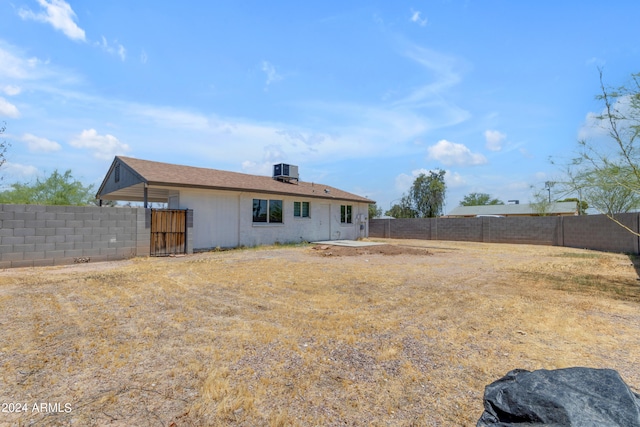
(167, 174)
(519, 209)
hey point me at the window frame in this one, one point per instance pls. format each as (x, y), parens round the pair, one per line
(346, 214)
(299, 210)
(267, 210)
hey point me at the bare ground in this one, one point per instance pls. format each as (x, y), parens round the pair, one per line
(404, 334)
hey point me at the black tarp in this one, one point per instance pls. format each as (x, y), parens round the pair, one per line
(577, 397)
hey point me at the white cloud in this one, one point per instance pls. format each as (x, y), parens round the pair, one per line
(592, 128)
(115, 49)
(18, 171)
(525, 153)
(417, 18)
(171, 117)
(270, 71)
(431, 99)
(104, 146)
(13, 67)
(11, 90)
(451, 179)
(16, 67)
(446, 70)
(38, 144)
(596, 129)
(454, 180)
(144, 57)
(254, 168)
(540, 176)
(271, 154)
(404, 181)
(494, 139)
(451, 153)
(59, 14)
(8, 109)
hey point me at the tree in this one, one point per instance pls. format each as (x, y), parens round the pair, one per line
(56, 189)
(541, 201)
(374, 211)
(602, 190)
(425, 198)
(402, 209)
(479, 199)
(582, 205)
(427, 194)
(3, 146)
(606, 173)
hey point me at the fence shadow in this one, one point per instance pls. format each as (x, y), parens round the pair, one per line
(635, 260)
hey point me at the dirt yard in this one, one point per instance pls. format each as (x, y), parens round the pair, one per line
(400, 335)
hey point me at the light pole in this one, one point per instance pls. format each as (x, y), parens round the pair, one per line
(547, 186)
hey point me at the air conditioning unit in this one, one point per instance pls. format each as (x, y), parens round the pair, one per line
(286, 173)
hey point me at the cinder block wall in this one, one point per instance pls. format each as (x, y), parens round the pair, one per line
(35, 235)
(600, 233)
(465, 229)
(408, 228)
(530, 230)
(589, 231)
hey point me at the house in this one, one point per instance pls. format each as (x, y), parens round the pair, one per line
(553, 209)
(233, 209)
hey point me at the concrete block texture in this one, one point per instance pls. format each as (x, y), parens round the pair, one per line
(587, 231)
(52, 235)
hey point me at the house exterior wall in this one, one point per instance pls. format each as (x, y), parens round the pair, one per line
(225, 219)
(215, 217)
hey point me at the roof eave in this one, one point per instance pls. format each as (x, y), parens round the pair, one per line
(254, 190)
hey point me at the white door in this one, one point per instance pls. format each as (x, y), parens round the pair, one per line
(324, 222)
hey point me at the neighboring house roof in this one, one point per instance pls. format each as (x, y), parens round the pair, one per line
(556, 208)
(160, 177)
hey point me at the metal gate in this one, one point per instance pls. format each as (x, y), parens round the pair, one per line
(168, 232)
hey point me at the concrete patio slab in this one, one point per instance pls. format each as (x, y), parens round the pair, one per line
(349, 243)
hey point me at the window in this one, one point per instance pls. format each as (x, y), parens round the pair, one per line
(301, 209)
(275, 211)
(268, 211)
(117, 173)
(345, 214)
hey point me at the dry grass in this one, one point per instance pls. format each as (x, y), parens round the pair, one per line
(286, 336)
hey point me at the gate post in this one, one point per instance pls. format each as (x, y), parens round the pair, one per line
(188, 229)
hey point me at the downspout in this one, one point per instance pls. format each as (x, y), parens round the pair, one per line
(146, 194)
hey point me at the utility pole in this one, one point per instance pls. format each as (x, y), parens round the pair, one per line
(547, 186)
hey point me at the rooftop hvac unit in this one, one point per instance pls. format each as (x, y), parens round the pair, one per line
(286, 173)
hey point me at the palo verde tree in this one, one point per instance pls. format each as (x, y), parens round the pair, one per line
(425, 198)
(480, 199)
(56, 189)
(3, 146)
(606, 172)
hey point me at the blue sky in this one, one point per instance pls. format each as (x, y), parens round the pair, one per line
(361, 95)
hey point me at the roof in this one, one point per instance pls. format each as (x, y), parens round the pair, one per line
(158, 176)
(556, 208)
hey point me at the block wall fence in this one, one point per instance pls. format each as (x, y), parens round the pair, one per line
(595, 232)
(35, 235)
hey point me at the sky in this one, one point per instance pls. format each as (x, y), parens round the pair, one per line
(361, 95)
